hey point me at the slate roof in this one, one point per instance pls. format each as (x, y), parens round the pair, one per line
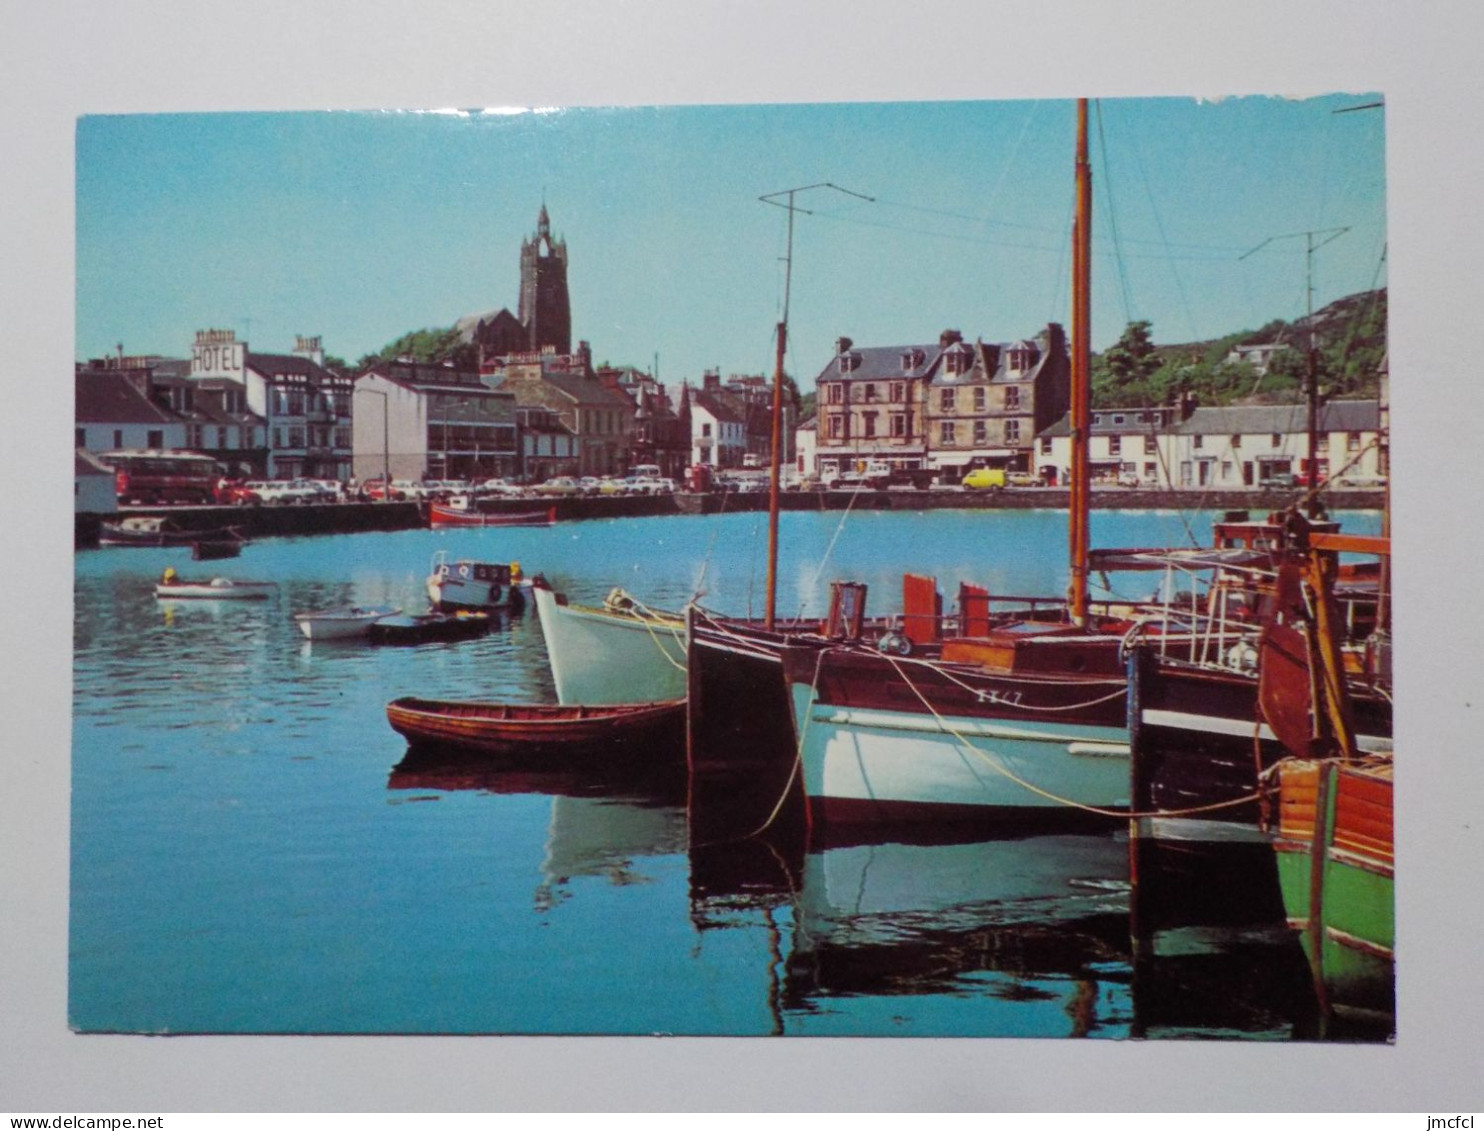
(718, 408)
(107, 397)
(1336, 416)
(270, 364)
(881, 363)
(1235, 420)
(586, 390)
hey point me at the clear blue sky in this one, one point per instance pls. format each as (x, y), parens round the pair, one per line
(360, 226)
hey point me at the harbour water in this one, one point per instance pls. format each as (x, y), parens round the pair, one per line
(253, 850)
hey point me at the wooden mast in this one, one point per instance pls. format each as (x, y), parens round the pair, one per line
(1081, 375)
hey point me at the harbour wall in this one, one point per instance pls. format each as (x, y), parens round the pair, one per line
(349, 518)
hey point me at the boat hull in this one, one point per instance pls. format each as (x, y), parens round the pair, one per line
(341, 624)
(236, 591)
(429, 628)
(990, 748)
(602, 656)
(444, 517)
(1336, 867)
(1198, 742)
(738, 707)
(514, 729)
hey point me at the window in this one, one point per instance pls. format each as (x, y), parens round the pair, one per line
(980, 398)
(946, 433)
(1151, 446)
(849, 362)
(221, 438)
(278, 437)
(1012, 398)
(156, 439)
(955, 362)
(981, 431)
(193, 435)
(1196, 441)
(118, 438)
(898, 425)
(837, 427)
(1045, 445)
(1118, 418)
(1323, 442)
(1012, 431)
(870, 391)
(1236, 441)
(1115, 444)
(869, 419)
(1276, 439)
(296, 437)
(898, 391)
(81, 438)
(837, 393)
(705, 430)
(1352, 441)
(1149, 471)
(945, 400)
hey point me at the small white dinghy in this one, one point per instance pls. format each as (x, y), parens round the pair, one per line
(217, 589)
(343, 623)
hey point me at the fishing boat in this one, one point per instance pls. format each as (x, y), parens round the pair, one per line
(172, 588)
(460, 511)
(1197, 738)
(469, 585)
(1008, 716)
(618, 652)
(346, 623)
(548, 730)
(155, 530)
(427, 628)
(1334, 841)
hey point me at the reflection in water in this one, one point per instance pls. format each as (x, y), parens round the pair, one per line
(553, 897)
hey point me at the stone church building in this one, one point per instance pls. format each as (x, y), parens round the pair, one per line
(543, 323)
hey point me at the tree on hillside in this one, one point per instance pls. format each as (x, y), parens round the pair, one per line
(1120, 375)
(431, 346)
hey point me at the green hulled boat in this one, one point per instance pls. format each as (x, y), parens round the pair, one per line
(1336, 867)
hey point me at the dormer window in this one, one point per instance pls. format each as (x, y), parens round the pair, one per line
(912, 359)
(849, 362)
(955, 362)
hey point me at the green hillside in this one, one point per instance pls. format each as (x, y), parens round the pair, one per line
(1350, 335)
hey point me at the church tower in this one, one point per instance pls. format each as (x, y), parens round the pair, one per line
(545, 309)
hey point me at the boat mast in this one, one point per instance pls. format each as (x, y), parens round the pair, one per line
(770, 608)
(776, 457)
(1081, 375)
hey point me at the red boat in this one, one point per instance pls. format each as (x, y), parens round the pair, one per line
(457, 512)
(515, 728)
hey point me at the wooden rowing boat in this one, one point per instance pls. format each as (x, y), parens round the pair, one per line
(515, 728)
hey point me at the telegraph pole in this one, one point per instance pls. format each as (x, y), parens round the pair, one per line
(1311, 379)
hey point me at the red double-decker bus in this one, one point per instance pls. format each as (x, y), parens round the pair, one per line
(153, 478)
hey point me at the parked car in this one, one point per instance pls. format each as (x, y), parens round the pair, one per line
(1283, 481)
(986, 478)
(649, 485)
(1022, 479)
(561, 485)
(498, 488)
(282, 492)
(235, 493)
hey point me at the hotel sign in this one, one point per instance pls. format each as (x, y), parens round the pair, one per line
(217, 353)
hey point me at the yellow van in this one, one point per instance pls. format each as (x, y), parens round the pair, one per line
(992, 478)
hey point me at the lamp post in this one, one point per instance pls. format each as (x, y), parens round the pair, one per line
(386, 442)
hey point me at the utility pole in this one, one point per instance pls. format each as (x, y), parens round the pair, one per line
(788, 260)
(1311, 379)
